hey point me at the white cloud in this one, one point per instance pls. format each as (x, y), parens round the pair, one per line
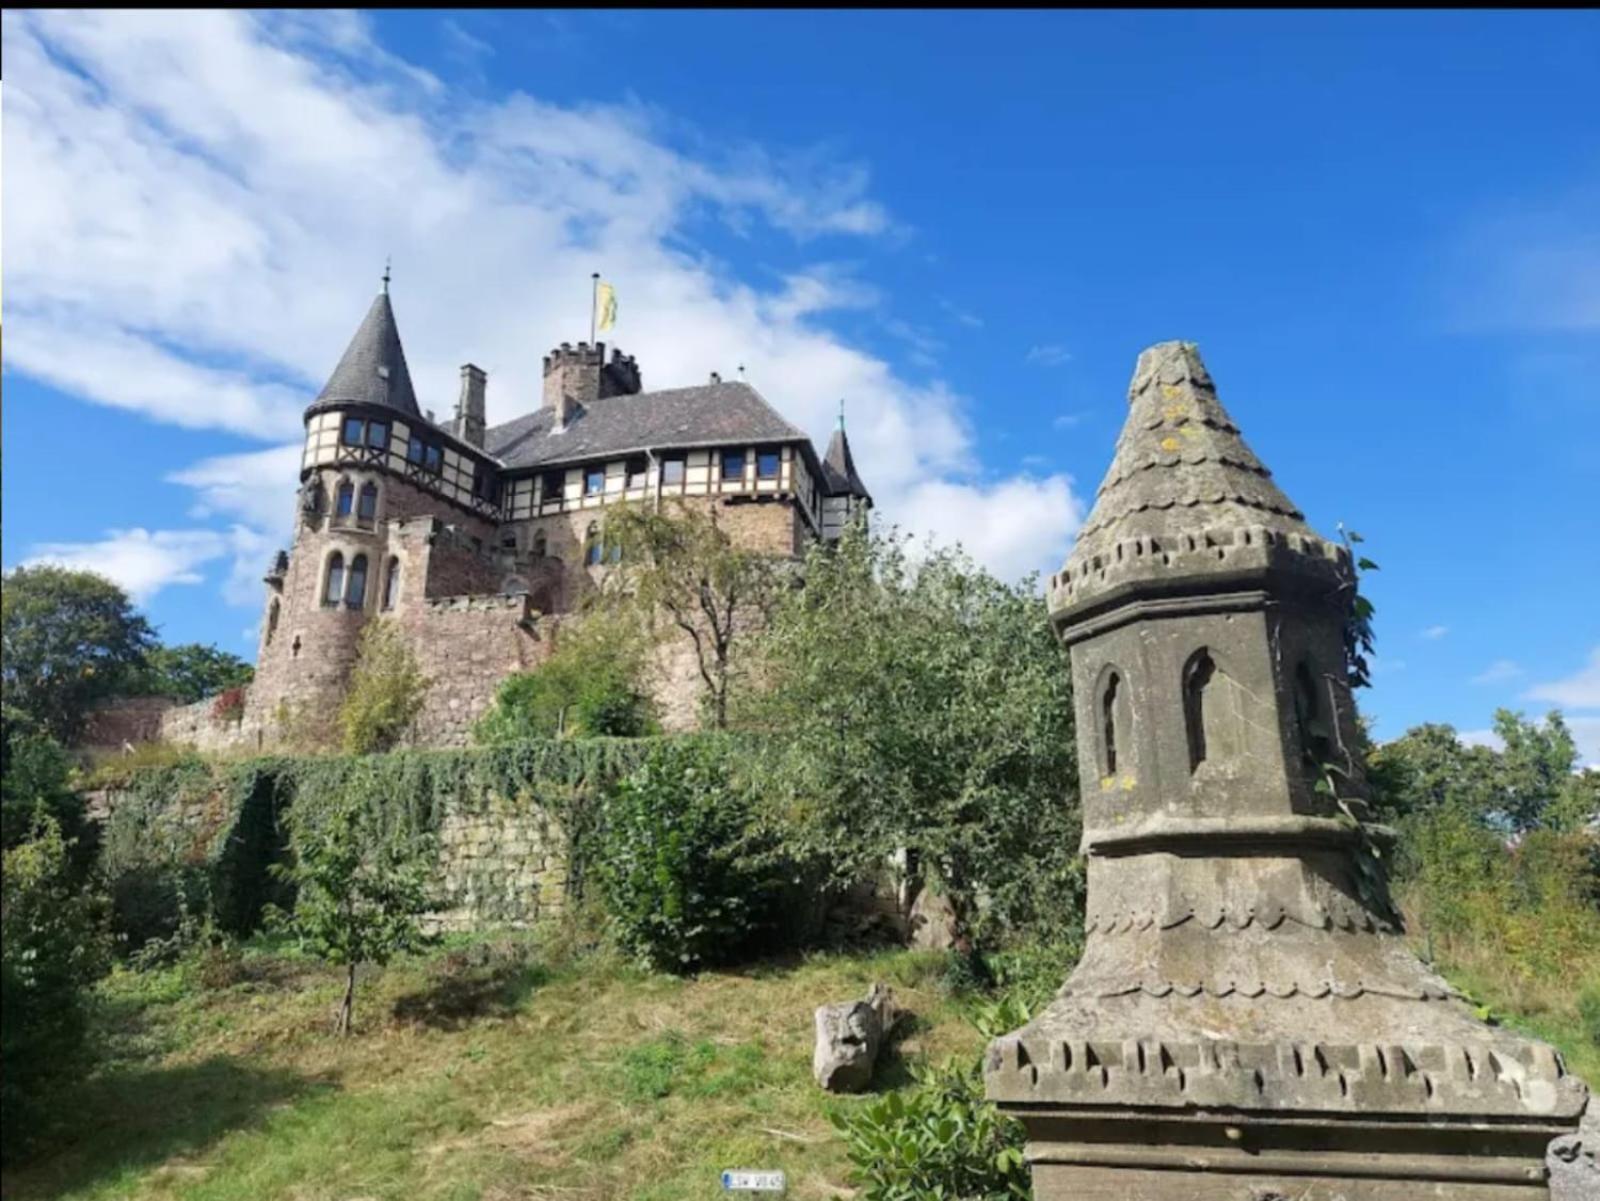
(1486, 738)
(1434, 633)
(1049, 355)
(142, 561)
(1581, 690)
(1497, 672)
(1586, 733)
(1066, 421)
(201, 204)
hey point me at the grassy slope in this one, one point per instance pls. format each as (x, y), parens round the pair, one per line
(493, 1083)
(501, 1081)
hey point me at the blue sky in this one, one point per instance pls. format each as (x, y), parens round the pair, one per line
(1382, 229)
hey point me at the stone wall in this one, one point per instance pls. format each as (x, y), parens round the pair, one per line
(196, 725)
(465, 646)
(505, 867)
(127, 720)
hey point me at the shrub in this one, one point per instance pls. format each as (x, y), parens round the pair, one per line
(52, 947)
(588, 688)
(685, 878)
(939, 1139)
(229, 705)
(33, 783)
(386, 693)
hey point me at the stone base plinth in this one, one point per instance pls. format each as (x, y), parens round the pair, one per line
(1077, 1156)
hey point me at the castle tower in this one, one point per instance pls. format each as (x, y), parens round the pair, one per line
(1246, 1021)
(846, 495)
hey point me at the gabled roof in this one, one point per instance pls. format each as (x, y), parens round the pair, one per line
(708, 415)
(839, 467)
(373, 367)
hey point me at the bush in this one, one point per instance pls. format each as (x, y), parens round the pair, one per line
(33, 783)
(52, 947)
(685, 879)
(386, 693)
(588, 688)
(939, 1139)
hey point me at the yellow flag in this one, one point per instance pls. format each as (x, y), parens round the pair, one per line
(606, 303)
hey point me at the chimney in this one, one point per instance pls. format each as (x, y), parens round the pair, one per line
(716, 377)
(470, 414)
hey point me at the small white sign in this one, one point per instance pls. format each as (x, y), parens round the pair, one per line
(742, 1180)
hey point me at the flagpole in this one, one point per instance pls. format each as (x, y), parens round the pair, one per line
(594, 304)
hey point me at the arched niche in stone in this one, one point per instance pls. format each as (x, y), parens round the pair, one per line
(1213, 711)
(1114, 722)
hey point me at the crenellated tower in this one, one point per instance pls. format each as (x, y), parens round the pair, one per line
(1246, 1021)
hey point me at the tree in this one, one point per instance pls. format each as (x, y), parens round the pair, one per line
(926, 707)
(34, 771)
(387, 690)
(359, 890)
(589, 686)
(192, 671)
(681, 564)
(70, 638)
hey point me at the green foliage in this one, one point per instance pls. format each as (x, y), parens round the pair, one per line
(358, 896)
(70, 639)
(927, 707)
(680, 567)
(387, 690)
(52, 947)
(191, 672)
(686, 879)
(34, 772)
(589, 687)
(940, 1139)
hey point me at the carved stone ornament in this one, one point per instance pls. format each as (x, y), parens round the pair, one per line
(1246, 1021)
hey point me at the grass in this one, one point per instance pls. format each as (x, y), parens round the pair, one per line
(481, 1072)
(476, 1074)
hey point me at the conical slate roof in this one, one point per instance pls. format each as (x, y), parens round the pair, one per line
(1184, 494)
(839, 467)
(373, 367)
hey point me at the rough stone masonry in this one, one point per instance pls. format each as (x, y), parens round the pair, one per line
(1246, 1022)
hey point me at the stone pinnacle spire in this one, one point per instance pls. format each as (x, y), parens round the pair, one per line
(373, 369)
(839, 465)
(1246, 1020)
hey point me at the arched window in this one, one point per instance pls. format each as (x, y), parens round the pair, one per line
(1113, 721)
(368, 510)
(333, 593)
(540, 545)
(391, 584)
(1316, 740)
(272, 620)
(355, 595)
(347, 499)
(1197, 674)
(591, 545)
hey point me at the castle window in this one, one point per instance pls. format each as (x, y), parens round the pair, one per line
(485, 484)
(1197, 676)
(594, 481)
(377, 434)
(1213, 711)
(508, 541)
(415, 449)
(354, 431)
(540, 545)
(733, 464)
(672, 471)
(367, 512)
(391, 584)
(347, 498)
(432, 459)
(767, 462)
(355, 595)
(333, 593)
(591, 545)
(638, 470)
(554, 486)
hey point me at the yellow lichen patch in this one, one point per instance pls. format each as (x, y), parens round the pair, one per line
(1129, 783)
(1174, 412)
(1107, 783)
(1169, 443)
(1171, 391)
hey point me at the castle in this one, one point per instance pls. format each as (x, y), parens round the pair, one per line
(479, 539)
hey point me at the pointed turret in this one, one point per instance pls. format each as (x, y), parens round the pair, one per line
(373, 367)
(1185, 497)
(839, 466)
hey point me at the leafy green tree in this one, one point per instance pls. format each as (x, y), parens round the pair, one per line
(681, 567)
(588, 687)
(70, 639)
(34, 774)
(192, 671)
(926, 706)
(359, 891)
(387, 691)
(53, 945)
